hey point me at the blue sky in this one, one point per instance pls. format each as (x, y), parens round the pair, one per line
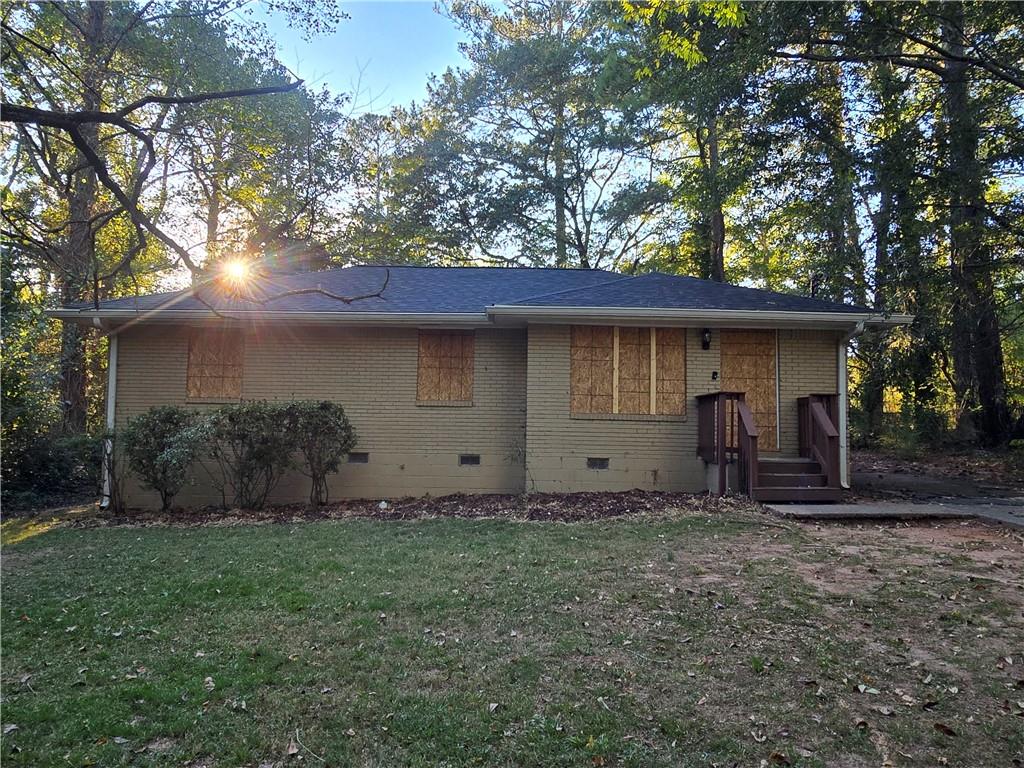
(396, 45)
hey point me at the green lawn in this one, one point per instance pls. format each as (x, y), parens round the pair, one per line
(678, 640)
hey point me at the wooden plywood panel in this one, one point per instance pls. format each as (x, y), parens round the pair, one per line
(634, 370)
(214, 371)
(749, 366)
(591, 373)
(444, 368)
(670, 371)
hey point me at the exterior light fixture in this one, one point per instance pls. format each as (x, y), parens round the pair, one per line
(705, 339)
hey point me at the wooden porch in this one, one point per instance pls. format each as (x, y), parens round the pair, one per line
(727, 433)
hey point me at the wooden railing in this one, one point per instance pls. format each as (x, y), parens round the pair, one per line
(818, 437)
(723, 431)
(746, 459)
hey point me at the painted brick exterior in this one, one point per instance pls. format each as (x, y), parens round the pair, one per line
(413, 449)
(652, 453)
(808, 363)
(519, 421)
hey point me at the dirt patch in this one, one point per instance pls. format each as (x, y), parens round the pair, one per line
(881, 475)
(161, 744)
(567, 507)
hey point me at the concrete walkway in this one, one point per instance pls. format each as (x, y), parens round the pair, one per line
(1007, 511)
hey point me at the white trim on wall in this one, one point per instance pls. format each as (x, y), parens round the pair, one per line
(108, 446)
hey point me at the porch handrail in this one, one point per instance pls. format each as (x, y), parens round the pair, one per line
(819, 438)
(746, 461)
(718, 430)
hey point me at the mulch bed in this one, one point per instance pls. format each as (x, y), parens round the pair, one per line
(564, 507)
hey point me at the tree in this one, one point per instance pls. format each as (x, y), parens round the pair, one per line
(323, 435)
(558, 173)
(91, 93)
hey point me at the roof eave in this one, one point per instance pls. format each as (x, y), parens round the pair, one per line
(114, 318)
(747, 318)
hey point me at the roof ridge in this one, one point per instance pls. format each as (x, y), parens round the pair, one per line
(462, 266)
(764, 290)
(618, 279)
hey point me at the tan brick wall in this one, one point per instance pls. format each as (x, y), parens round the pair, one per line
(645, 452)
(808, 365)
(372, 372)
(655, 453)
(519, 422)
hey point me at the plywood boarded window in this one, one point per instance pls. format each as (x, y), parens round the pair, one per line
(445, 369)
(748, 366)
(632, 371)
(590, 374)
(215, 357)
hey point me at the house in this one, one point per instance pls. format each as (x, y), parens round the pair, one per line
(503, 380)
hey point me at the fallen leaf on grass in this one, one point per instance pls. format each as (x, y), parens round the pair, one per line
(293, 748)
(10, 728)
(944, 729)
(779, 759)
(887, 711)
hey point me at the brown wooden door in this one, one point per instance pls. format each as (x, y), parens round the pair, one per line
(749, 366)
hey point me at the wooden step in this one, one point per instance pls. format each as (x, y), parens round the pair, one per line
(779, 480)
(796, 466)
(762, 493)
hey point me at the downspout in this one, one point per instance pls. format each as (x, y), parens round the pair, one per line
(844, 397)
(108, 446)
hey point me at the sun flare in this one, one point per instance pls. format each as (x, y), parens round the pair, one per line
(235, 271)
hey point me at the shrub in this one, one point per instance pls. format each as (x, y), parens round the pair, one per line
(321, 432)
(249, 445)
(113, 464)
(46, 469)
(160, 446)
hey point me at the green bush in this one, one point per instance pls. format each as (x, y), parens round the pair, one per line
(43, 469)
(160, 447)
(248, 450)
(321, 432)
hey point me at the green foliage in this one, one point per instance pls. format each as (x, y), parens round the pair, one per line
(248, 450)
(161, 446)
(50, 469)
(322, 434)
(677, 22)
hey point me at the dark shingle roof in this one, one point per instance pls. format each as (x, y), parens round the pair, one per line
(660, 291)
(409, 289)
(472, 290)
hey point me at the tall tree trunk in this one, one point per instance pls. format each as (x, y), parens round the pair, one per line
(80, 261)
(558, 149)
(872, 391)
(875, 380)
(979, 375)
(561, 254)
(716, 216)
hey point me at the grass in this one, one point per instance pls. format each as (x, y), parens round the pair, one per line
(677, 640)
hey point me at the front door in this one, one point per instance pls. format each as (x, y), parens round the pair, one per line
(749, 366)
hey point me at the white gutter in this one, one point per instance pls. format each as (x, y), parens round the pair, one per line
(497, 314)
(446, 319)
(844, 396)
(750, 318)
(108, 446)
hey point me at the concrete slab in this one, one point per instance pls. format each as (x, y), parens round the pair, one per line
(1004, 511)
